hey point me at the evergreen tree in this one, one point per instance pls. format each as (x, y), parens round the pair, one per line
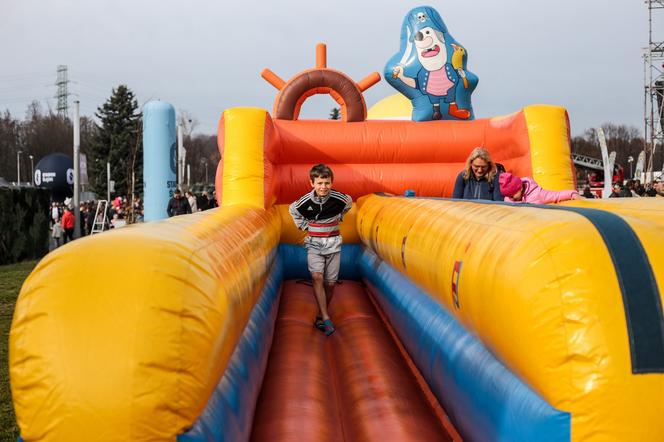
(335, 114)
(118, 141)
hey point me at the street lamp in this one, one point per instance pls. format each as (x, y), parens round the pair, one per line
(204, 161)
(32, 169)
(18, 167)
(630, 160)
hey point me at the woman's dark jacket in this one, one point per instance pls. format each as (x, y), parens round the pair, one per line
(474, 189)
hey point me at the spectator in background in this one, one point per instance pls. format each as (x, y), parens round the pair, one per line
(203, 201)
(118, 221)
(616, 190)
(178, 205)
(137, 202)
(638, 188)
(135, 211)
(631, 186)
(82, 211)
(192, 201)
(68, 222)
(56, 233)
(593, 180)
(213, 201)
(626, 190)
(650, 190)
(118, 218)
(55, 212)
(90, 218)
(117, 202)
(587, 193)
(658, 187)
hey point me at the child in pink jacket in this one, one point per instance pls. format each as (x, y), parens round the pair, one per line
(516, 189)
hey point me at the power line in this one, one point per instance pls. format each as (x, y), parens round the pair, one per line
(23, 84)
(13, 77)
(19, 99)
(97, 88)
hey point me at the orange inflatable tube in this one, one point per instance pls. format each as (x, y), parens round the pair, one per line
(370, 156)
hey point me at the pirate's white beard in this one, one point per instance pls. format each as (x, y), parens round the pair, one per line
(434, 63)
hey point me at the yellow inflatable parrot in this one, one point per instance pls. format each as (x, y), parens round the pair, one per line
(457, 62)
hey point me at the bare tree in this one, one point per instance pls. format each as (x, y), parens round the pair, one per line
(187, 121)
(202, 154)
(624, 140)
(39, 134)
(9, 145)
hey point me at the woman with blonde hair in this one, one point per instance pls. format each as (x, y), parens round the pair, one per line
(479, 179)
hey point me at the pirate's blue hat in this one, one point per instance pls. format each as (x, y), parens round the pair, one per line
(422, 17)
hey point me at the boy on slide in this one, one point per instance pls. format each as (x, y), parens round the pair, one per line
(319, 213)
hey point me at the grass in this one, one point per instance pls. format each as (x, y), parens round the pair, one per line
(11, 279)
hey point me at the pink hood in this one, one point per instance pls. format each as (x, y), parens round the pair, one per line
(534, 194)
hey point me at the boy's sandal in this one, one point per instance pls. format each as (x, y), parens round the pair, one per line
(319, 324)
(329, 328)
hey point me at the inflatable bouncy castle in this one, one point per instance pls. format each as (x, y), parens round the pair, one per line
(456, 319)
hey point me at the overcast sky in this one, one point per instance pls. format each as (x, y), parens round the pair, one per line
(206, 56)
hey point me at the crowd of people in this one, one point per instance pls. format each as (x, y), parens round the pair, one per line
(120, 212)
(634, 189)
(181, 204)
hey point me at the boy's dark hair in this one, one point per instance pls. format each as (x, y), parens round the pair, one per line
(320, 171)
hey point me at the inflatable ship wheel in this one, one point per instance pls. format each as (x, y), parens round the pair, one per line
(320, 80)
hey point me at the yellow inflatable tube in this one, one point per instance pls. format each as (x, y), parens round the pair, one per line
(145, 317)
(539, 287)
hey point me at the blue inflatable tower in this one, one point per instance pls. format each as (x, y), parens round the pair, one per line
(159, 158)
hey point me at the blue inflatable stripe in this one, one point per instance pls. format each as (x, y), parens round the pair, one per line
(294, 258)
(229, 413)
(485, 401)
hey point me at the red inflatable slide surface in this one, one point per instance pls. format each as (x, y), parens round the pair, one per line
(354, 385)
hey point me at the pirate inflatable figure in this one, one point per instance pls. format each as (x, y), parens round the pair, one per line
(430, 69)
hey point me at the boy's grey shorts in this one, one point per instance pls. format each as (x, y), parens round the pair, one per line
(328, 265)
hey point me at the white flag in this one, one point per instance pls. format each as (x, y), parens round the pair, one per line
(83, 168)
(608, 167)
(639, 166)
